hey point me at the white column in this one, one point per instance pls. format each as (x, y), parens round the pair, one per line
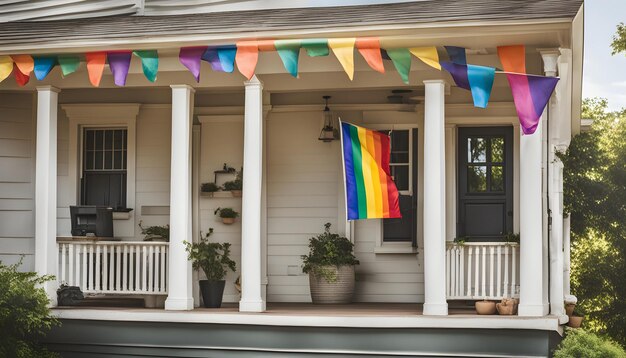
(251, 269)
(180, 292)
(434, 199)
(46, 252)
(531, 226)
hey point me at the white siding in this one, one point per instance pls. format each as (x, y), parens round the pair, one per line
(17, 228)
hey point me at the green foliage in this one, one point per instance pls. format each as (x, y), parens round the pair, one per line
(236, 184)
(24, 313)
(511, 238)
(325, 250)
(209, 187)
(619, 39)
(211, 257)
(226, 213)
(155, 231)
(460, 240)
(595, 197)
(579, 343)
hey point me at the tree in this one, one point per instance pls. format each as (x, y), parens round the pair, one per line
(24, 313)
(619, 39)
(595, 197)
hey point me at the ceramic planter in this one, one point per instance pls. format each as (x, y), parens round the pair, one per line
(236, 193)
(569, 309)
(212, 293)
(507, 307)
(575, 321)
(485, 307)
(228, 221)
(339, 292)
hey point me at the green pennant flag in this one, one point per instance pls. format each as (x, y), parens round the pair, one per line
(69, 64)
(149, 63)
(401, 58)
(316, 47)
(289, 52)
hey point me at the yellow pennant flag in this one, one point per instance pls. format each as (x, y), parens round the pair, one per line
(6, 67)
(344, 51)
(428, 55)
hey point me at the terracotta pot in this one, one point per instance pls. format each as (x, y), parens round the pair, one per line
(507, 307)
(575, 321)
(228, 221)
(339, 292)
(569, 308)
(236, 193)
(485, 307)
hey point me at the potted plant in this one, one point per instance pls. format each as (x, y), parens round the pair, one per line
(511, 238)
(577, 317)
(507, 307)
(570, 304)
(214, 260)
(228, 215)
(155, 233)
(234, 186)
(485, 307)
(330, 265)
(207, 189)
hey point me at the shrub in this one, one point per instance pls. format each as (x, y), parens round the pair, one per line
(155, 231)
(211, 257)
(24, 313)
(328, 250)
(580, 343)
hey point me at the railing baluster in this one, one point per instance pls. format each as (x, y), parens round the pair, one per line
(105, 269)
(470, 252)
(77, 265)
(484, 271)
(70, 265)
(506, 271)
(62, 275)
(151, 269)
(98, 270)
(499, 271)
(448, 293)
(125, 269)
(163, 258)
(462, 271)
(491, 274)
(477, 273)
(513, 270)
(118, 270)
(144, 269)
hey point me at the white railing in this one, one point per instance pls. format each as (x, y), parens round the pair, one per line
(114, 267)
(482, 270)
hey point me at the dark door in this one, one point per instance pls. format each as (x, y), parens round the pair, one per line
(485, 201)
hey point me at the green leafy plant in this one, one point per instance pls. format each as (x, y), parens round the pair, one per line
(580, 343)
(209, 188)
(328, 249)
(460, 240)
(212, 258)
(511, 238)
(236, 184)
(226, 213)
(24, 314)
(150, 232)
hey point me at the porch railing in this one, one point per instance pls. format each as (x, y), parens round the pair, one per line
(114, 267)
(482, 270)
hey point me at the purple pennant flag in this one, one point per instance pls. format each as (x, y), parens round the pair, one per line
(458, 72)
(456, 54)
(531, 95)
(211, 56)
(190, 58)
(119, 63)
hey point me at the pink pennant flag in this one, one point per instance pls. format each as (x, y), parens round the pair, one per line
(247, 57)
(119, 63)
(191, 58)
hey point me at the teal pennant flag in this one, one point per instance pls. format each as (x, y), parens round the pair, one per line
(401, 58)
(316, 47)
(480, 81)
(69, 64)
(289, 52)
(149, 63)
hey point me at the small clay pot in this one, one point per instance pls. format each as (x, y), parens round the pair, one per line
(228, 221)
(485, 307)
(575, 321)
(569, 309)
(236, 193)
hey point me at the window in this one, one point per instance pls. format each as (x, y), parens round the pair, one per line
(104, 167)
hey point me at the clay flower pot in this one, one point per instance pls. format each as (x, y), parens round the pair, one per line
(485, 307)
(575, 321)
(228, 221)
(236, 193)
(569, 309)
(507, 307)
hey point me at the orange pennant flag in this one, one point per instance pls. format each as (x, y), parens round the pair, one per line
(25, 63)
(513, 58)
(21, 78)
(266, 45)
(95, 66)
(247, 57)
(369, 48)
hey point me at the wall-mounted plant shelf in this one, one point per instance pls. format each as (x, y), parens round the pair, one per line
(217, 195)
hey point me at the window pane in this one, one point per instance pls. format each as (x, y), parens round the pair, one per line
(497, 150)
(400, 175)
(497, 178)
(108, 139)
(124, 163)
(476, 178)
(476, 150)
(89, 159)
(108, 160)
(98, 161)
(117, 141)
(99, 140)
(399, 157)
(400, 141)
(89, 140)
(117, 159)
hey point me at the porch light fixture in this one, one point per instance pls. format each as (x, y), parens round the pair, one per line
(329, 133)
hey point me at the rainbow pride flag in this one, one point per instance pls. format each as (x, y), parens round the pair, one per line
(370, 190)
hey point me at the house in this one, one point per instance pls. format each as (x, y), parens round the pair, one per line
(462, 172)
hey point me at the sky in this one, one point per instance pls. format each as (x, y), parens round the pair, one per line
(604, 75)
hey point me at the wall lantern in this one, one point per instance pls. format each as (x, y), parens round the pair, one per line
(329, 133)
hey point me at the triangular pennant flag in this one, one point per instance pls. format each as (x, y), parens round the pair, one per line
(531, 95)
(95, 66)
(384, 54)
(481, 81)
(190, 58)
(211, 56)
(25, 63)
(513, 58)
(401, 58)
(369, 48)
(149, 63)
(289, 52)
(227, 56)
(315, 47)
(247, 57)
(456, 54)
(119, 63)
(6, 67)
(458, 72)
(265, 45)
(428, 55)
(69, 64)
(20, 78)
(344, 51)
(43, 66)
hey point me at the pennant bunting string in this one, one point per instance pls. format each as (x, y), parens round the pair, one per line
(190, 58)
(43, 66)
(25, 63)
(69, 64)
(119, 63)
(149, 63)
(95, 66)
(6, 67)
(247, 57)
(401, 58)
(481, 82)
(344, 51)
(315, 47)
(289, 52)
(513, 58)
(428, 55)
(20, 78)
(369, 48)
